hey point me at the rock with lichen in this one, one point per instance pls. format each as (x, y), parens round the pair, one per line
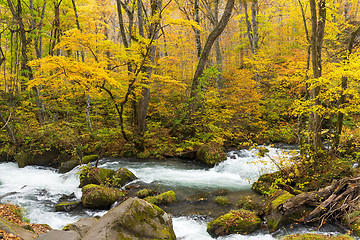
(100, 197)
(211, 154)
(235, 222)
(163, 198)
(134, 219)
(108, 177)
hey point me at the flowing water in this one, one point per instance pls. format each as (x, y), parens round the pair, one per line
(38, 189)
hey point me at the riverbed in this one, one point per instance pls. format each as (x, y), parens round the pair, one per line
(38, 189)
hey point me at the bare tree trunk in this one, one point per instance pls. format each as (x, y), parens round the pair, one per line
(197, 31)
(121, 24)
(56, 29)
(318, 29)
(252, 27)
(17, 15)
(194, 101)
(219, 60)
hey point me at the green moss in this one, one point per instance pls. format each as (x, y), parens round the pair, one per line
(122, 176)
(273, 224)
(221, 200)
(247, 203)
(316, 237)
(100, 197)
(164, 198)
(211, 153)
(89, 159)
(235, 222)
(143, 193)
(281, 199)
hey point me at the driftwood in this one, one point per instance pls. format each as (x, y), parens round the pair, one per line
(329, 203)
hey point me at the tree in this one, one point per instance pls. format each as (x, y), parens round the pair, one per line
(318, 21)
(219, 28)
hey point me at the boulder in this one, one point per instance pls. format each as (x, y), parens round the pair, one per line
(235, 222)
(133, 219)
(211, 154)
(94, 175)
(275, 217)
(68, 166)
(100, 197)
(263, 184)
(123, 176)
(247, 203)
(82, 226)
(51, 158)
(163, 198)
(143, 193)
(59, 235)
(89, 159)
(67, 206)
(15, 229)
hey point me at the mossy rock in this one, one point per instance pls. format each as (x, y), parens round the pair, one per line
(133, 219)
(67, 206)
(235, 222)
(276, 218)
(99, 197)
(247, 203)
(222, 200)
(94, 175)
(281, 199)
(52, 158)
(123, 176)
(108, 177)
(311, 236)
(263, 185)
(163, 198)
(68, 166)
(211, 154)
(89, 159)
(143, 193)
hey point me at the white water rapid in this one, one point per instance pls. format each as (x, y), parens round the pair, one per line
(38, 189)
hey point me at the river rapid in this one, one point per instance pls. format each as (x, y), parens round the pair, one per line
(38, 189)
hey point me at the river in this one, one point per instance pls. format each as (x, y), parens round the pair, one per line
(38, 189)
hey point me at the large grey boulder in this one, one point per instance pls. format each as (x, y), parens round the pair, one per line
(134, 219)
(82, 226)
(15, 229)
(59, 235)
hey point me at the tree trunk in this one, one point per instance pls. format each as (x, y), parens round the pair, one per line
(197, 31)
(56, 29)
(25, 68)
(121, 24)
(318, 29)
(194, 101)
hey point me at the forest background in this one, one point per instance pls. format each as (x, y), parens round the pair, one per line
(159, 78)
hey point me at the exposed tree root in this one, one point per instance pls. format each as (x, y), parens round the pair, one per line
(331, 203)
